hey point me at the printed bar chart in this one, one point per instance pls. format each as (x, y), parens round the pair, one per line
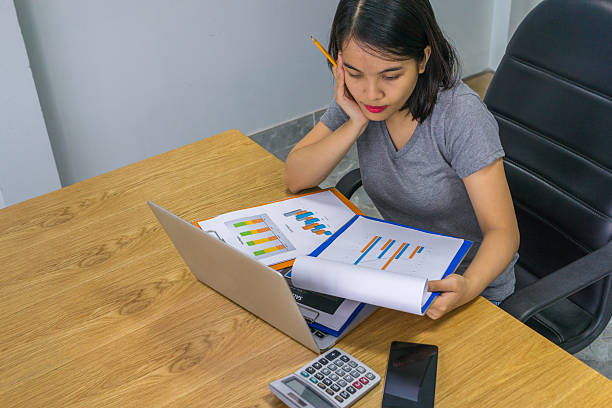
(247, 222)
(311, 222)
(367, 249)
(266, 239)
(257, 231)
(386, 248)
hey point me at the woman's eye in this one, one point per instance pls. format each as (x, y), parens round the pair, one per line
(390, 78)
(354, 75)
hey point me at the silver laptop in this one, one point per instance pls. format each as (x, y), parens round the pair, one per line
(257, 288)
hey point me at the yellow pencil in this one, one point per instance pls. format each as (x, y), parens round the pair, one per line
(319, 46)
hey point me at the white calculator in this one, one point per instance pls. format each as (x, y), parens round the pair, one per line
(335, 380)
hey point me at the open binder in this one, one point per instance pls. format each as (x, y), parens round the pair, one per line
(336, 260)
(373, 261)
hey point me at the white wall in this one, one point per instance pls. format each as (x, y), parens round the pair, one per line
(499, 31)
(123, 80)
(27, 167)
(520, 8)
(468, 25)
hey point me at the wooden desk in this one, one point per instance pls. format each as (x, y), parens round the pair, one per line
(98, 309)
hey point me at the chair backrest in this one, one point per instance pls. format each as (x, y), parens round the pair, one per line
(552, 98)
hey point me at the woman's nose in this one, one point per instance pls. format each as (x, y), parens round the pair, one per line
(373, 91)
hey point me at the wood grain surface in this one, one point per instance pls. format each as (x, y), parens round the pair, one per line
(99, 310)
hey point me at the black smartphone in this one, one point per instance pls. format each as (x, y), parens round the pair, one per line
(410, 381)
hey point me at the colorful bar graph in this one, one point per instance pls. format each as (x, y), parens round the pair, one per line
(367, 249)
(268, 250)
(370, 243)
(387, 247)
(394, 255)
(307, 227)
(414, 252)
(249, 222)
(261, 241)
(402, 251)
(301, 216)
(310, 221)
(257, 231)
(290, 213)
(260, 235)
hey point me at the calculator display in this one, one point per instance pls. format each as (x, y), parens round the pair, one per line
(307, 394)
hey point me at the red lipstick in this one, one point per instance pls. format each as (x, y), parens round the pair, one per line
(376, 109)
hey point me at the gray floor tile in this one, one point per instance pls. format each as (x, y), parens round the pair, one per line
(598, 354)
(283, 153)
(318, 114)
(346, 164)
(285, 135)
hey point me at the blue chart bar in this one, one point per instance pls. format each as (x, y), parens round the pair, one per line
(302, 216)
(419, 251)
(402, 251)
(386, 249)
(310, 221)
(318, 227)
(366, 251)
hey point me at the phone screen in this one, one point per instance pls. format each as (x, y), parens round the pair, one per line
(410, 381)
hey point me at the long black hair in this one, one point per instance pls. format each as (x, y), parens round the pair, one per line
(399, 30)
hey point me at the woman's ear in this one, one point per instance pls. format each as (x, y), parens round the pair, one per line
(423, 62)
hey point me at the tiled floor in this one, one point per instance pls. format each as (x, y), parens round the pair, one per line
(281, 139)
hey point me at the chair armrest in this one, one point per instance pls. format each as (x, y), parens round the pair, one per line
(349, 183)
(560, 284)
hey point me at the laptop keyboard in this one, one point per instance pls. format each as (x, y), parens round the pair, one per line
(317, 333)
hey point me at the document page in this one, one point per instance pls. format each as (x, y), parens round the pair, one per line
(280, 231)
(380, 263)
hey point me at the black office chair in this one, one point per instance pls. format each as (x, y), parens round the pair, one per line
(552, 98)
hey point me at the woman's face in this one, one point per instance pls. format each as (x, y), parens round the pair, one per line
(380, 86)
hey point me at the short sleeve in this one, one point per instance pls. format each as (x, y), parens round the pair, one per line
(334, 116)
(471, 135)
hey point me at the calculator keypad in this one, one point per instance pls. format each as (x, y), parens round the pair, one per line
(340, 376)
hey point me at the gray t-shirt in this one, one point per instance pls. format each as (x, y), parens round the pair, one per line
(421, 184)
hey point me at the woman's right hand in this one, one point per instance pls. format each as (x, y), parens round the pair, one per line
(345, 99)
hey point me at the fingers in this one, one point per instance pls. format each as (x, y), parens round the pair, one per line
(439, 307)
(433, 314)
(339, 77)
(444, 285)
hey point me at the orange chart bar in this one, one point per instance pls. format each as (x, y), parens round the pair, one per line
(249, 222)
(369, 243)
(386, 245)
(268, 250)
(414, 252)
(257, 231)
(394, 255)
(307, 227)
(261, 241)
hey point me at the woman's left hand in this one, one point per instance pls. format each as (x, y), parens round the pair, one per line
(455, 291)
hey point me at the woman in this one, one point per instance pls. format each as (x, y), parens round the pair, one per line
(429, 150)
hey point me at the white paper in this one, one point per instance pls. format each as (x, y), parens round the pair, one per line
(421, 254)
(379, 263)
(282, 226)
(376, 287)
